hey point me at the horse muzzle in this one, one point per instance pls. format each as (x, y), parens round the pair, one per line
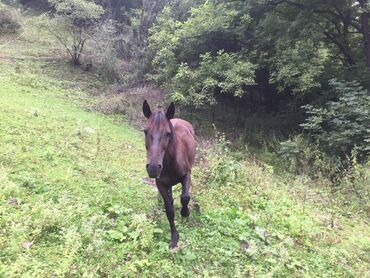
(154, 171)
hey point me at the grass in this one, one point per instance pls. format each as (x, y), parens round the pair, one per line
(73, 202)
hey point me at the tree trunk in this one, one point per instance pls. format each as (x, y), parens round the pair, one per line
(364, 19)
(366, 36)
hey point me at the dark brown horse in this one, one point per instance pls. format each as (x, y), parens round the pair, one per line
(170, 146)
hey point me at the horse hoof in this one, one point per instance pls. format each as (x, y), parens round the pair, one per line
(185, 212)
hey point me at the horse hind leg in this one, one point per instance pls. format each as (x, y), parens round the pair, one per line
(185, 197)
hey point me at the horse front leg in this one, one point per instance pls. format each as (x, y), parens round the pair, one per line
(170, 212)
(185, 196)
(170, 193)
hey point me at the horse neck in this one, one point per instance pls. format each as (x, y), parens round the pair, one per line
(170, 155)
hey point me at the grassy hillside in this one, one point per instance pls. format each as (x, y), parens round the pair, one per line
(73, 201)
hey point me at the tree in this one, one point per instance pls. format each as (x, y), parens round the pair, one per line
(74, 24)
(296, 46)
(192, 59)
(342, 22)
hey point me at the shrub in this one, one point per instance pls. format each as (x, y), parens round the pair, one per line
(9, 21)
(343, 124)
(305, 158)
(74, 23)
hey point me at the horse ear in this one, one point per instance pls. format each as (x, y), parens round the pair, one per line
(146, 109)
(170, 111)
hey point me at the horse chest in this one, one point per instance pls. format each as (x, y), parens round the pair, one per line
(170, 176)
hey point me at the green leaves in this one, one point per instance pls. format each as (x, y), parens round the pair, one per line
(225, 73)
(207, 19)
(82, 13)
(188, 256)
(176, 43)
(343, 124)
(116, 235)
(299, 66)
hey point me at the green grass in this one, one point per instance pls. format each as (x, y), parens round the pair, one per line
(63, 168)
(73, 203)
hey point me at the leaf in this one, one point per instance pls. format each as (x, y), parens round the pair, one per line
(116, 235)
(134, 234)
(189, 256)
(261, 233)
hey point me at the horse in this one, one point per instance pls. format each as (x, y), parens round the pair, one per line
(170, 145)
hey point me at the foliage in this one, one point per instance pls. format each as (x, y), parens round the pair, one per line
(299, 66)
(100, 51)
(224, 73)
(74, 23)
(163, 42)
(216, 71)
(133, 43)
(73, 202)
(343, 124)
(69, 208)
(302, 157)
(223, 171)
(81, 13)
(297, 45)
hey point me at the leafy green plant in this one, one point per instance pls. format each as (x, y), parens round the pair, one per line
(224, 73)
(305, 158)
(343, 124)
(295, 153)
(299, 66)
(100, 50)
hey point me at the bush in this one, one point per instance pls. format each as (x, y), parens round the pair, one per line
(74, 23)
(342, 125)
(305, 158)
(9, 21)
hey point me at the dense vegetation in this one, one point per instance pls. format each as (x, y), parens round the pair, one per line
(279, 94)
(268, 56)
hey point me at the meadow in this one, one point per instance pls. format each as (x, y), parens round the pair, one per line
(75, 201)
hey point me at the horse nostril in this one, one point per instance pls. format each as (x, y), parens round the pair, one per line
(160, 166)
(147, 166)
